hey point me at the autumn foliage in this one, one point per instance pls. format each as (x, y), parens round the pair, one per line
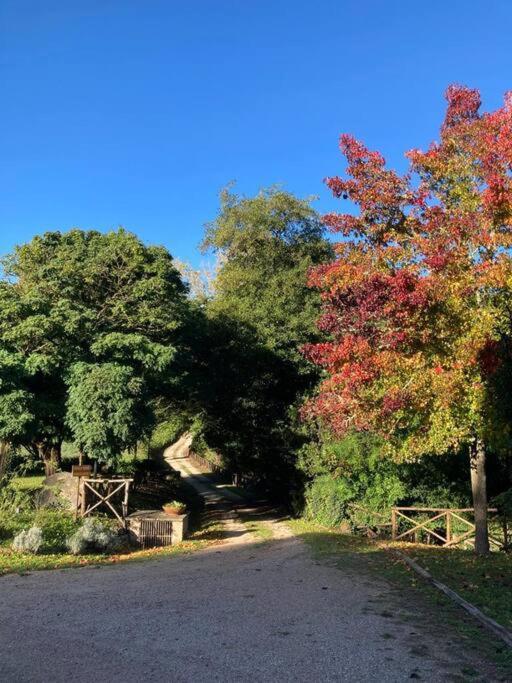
(415, 303)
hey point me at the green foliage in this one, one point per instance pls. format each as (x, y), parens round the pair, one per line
(83, 306)
(268, 244)
(126, 468)
(29, 541)
(107, 409)
(94, 537)
(245, 395)
(16, 508)
(248, 376)
(168, 430)
(12, 499)
(354, 473)
(327, 500)
(56, 526)
(177, 504)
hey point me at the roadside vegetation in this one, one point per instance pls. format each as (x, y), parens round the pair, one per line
(12, 562)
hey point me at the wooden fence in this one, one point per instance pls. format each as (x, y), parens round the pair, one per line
(109, 493)
(442, 526)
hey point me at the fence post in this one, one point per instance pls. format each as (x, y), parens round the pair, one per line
(83, 505)
(448, 526)
(393, 524)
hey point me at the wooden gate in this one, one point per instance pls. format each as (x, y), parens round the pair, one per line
(97, 492)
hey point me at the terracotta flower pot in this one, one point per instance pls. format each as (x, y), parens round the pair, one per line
(173, 509)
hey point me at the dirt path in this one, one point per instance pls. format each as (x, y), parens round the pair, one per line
(176, 456)
(242, 611)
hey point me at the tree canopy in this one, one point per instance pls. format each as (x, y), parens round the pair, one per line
(250, 373)
(415, 305)
(268, 244)
(77, 307)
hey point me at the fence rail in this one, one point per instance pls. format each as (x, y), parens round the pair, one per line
(104, 492)
(443, 526)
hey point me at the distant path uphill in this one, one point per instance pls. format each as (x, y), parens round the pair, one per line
(177, 456)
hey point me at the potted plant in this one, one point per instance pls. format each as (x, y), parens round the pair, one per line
(174, 507)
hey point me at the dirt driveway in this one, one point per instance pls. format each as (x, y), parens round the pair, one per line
(243, 611)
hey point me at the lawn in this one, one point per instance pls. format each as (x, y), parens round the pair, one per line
(484, 581)
(31, 483)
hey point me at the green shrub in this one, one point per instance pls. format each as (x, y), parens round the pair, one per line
(12, 523)
(327, 500)
(126, 468)
(29, 541)
(353, 481)
(94, 536)
(167, 432)
(12, 499)
(57, 526)
(16, 509)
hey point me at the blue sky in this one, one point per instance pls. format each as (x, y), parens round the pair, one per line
(136, 113)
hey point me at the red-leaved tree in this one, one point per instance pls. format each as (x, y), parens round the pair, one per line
(415, 304)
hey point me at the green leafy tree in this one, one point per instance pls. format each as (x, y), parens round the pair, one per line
(268, 244)
(252, 375)
(82, 297)
(108, 409)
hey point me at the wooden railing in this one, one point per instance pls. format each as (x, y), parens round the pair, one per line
(442, 526)
(96, 492)
(377, 523)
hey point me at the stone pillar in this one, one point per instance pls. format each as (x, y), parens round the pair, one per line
(179, 528)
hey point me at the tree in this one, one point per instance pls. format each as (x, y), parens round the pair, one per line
(416, 303)
(108, 409)
(267, 244)
(250, 374)
(77, 307)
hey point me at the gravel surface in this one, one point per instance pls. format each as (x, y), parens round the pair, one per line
(241, 612)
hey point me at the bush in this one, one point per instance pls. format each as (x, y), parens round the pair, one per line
(167, 432)
(125, 468)
(30, 541)
(350, 471)
(94, 537)
(16, 509)
(57, 526)
(327, 499)
(12, 500)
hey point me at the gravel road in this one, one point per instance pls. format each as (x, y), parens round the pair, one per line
(242, 611)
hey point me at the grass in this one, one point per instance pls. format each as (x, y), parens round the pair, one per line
(21, 563)
(486, 582)
(28, 484)
(261, 530)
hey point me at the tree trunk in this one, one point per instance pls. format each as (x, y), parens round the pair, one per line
(479, 490)
(50, 454)
(5, 449)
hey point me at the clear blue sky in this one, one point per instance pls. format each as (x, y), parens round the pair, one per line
(137, 112)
